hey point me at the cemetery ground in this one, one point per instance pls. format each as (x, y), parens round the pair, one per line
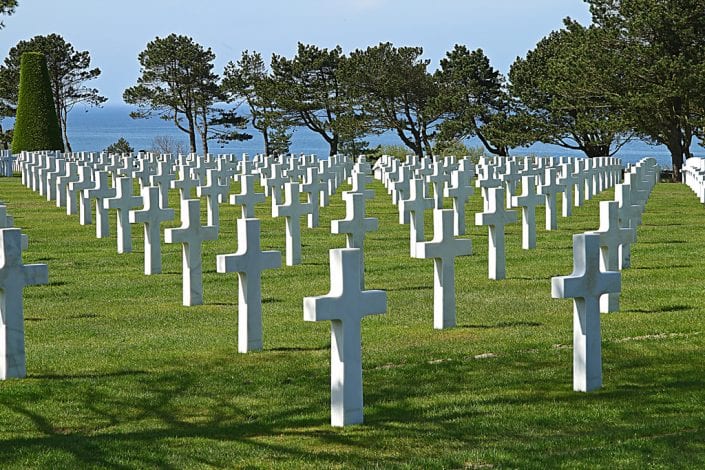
(120, 374)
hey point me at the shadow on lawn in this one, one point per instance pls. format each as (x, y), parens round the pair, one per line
(516, 412)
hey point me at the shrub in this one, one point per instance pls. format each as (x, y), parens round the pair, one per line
(36, 123)
(119, 147)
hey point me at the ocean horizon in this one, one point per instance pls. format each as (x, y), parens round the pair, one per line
(94, 129)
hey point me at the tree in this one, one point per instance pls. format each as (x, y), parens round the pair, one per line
(311, 91)
(69, 70)
(396, 92)
(475, 100)
(569, 87)
(36, 124)
(7, 7)
(177, 83)
(662, 43)
(248, 80)
(120, 146)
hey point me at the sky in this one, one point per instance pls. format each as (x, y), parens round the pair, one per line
(115, 32)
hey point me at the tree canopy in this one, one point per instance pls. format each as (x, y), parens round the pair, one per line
(178, 84)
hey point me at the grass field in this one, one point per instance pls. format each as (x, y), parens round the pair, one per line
(121, 375)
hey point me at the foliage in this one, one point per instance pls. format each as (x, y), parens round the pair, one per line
(569, 88)
(312, 91)
(7, 7)
(475, 100)
(395, 92)
(249, 80)
(457, 148)
(662, 43)
(69, 70)
(36, 124)
(122, 375)
(120, 146)
(178, 84)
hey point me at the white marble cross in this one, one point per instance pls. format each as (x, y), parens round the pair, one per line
(528, 200)
(437, 179)
(549, 189)
(355, 225)
(359, 180)
(585, 285)
(612, 236)
(123, 201)
(152, 215)
(345, 306)
(415, 207)
(14, 275)
(191, 234)
(213, 192)
(74, 195)
(568, 180)
(249, 261)
(62, 182)
(100, 191)
(274, 184)
(162, 179)
(247, 197)
(292, 210)
(312, 187)
(185, 183)
(443, 249)
(629, 217)
(496, 217)
(460, 191)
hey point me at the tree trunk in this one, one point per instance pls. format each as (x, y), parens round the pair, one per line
(265, 137)
(333, 145)
(675, 146)
(191, 134)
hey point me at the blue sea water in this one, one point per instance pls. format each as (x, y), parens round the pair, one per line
(93, 129)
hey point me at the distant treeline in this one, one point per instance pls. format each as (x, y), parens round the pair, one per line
(638, 71)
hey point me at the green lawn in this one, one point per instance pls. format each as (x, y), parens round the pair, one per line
(121, 375)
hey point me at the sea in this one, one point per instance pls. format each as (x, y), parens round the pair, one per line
(93, 129)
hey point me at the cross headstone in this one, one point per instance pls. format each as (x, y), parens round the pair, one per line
(292, 210)
(74, 193)
(247, 197)
(123, 201)
(415, 207)
(443, 249)
(14, 275)
(585, 285)
(629, 217)
(437, 179)
(312, 187)
(191, 234)
(213, 191)
(100, 191)
(162, 179)
(568, 180)
(185, 183)
(7, 222)
(274, 184)
(355, 225)
(549, 189)
(459, 191)
(612, 236)
(496, 217)
(528, 200)
(249, 261)
(345, 306)
(152, 215)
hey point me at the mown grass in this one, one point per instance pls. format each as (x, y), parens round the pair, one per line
(121, 375)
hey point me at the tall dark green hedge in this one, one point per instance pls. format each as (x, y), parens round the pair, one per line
(36, 124)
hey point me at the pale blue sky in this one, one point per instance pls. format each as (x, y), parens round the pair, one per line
(116, 31)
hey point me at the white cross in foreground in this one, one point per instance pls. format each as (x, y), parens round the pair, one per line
(345, 306)
(443, 249)
(249, 261)
(585, 285)
(191, 235)
(13, 277)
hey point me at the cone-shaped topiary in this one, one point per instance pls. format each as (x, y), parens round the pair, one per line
(36, 124)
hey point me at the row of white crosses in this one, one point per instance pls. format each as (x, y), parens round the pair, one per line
(6, 163)
(595, 282)
(543, 179)
(693, 175)
(80, 178)
(14, 276)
